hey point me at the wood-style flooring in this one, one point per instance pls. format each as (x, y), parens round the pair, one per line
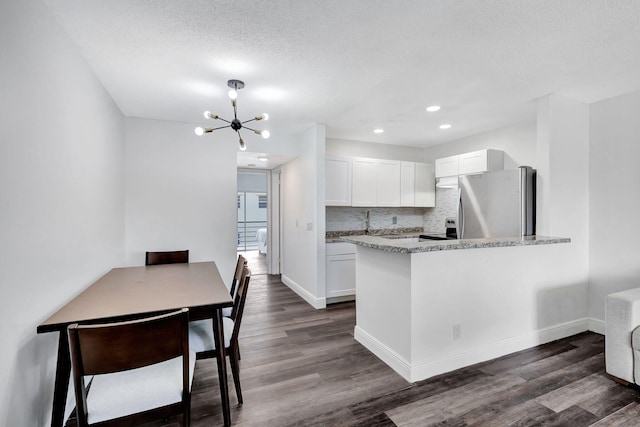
(302, 367)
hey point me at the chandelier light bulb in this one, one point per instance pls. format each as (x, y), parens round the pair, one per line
(243, 146)
(207, 114)
(199, 131)
(265, 134)
(265, 116)
(233, 94)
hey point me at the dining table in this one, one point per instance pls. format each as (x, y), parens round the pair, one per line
(134, 292)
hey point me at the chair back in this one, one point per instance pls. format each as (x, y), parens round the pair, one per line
(116, 347)
(242, 262)
(238, 304)
(169, 257)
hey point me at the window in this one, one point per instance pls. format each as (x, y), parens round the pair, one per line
(262, 202)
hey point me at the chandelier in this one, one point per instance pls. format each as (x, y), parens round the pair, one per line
(234, 124)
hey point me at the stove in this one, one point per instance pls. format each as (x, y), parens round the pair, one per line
(450, 234)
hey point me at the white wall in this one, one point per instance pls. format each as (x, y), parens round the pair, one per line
(348, 148)
(518, 142)
(562, 183)
(614, 203)
(303, 219)
(180, 194)
(61, 197)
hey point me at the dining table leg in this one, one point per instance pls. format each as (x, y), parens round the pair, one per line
(63, 370)
(218, 337)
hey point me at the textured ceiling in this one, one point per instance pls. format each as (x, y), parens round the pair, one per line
(356, 65)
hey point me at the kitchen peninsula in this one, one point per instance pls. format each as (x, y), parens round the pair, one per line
(426, 308)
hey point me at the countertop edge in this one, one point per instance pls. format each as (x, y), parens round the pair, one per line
(384, 244)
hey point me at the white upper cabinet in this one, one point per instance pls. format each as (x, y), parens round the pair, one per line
(447, 166)
(425, 186)
(467, 163)
(364, 182)
(407, 184)
(480, 161)
(338, 181)
(388, 191)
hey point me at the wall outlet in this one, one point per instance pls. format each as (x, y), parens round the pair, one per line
(457, 331)
(394, 220)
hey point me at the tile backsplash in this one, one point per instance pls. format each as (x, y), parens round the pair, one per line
(348, 218)
(429, 219)
(446, 206)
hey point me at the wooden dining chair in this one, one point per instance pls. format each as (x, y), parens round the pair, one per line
(240, 265)
(142, 370)
(169, 257)
(201, 333)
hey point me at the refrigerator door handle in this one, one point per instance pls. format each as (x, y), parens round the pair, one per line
(460, 223)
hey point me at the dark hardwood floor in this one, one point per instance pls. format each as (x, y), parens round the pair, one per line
(302, 367)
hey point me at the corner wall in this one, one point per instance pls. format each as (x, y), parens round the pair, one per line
(614, 253)
(61, 197)
(181, 193)
(303, 219)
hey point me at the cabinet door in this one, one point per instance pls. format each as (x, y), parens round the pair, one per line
(447, 166)
(338, 181)
(481, 161)
(363, 184)
(473, 162)
(425, 188)
(407, 183)
(340, 275)
(388, 183)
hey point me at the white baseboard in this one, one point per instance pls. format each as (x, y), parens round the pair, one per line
(384, 353)
(419, 371)
(315, 302)
(596, 325)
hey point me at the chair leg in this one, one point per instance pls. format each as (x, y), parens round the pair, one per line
(235, 370)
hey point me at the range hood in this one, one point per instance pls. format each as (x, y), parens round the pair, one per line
(447, 182)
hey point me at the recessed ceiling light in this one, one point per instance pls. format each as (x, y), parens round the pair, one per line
(433, 108)
(445, 126)
(263, 159)
(378, 130)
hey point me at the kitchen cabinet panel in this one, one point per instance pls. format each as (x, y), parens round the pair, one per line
(340, 271)
(447, 166)
(363, 184)
(425, 186)
(388, 183)
(407, 184)
(480, 161)
(338, 181)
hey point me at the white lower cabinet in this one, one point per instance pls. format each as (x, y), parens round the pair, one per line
(340, 272)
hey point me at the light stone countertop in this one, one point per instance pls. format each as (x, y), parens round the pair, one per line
(396, 244)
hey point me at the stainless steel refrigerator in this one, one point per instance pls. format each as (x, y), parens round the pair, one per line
(497, 204)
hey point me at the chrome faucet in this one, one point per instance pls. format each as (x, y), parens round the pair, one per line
(367, 222)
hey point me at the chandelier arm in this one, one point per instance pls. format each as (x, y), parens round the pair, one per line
(235, 111)
(250, 120)
(220, 118)
(247, 127)
(221, 127)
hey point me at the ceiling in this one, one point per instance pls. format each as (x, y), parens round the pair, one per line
(356, 65)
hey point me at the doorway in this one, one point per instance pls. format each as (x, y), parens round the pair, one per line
(257, 212)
